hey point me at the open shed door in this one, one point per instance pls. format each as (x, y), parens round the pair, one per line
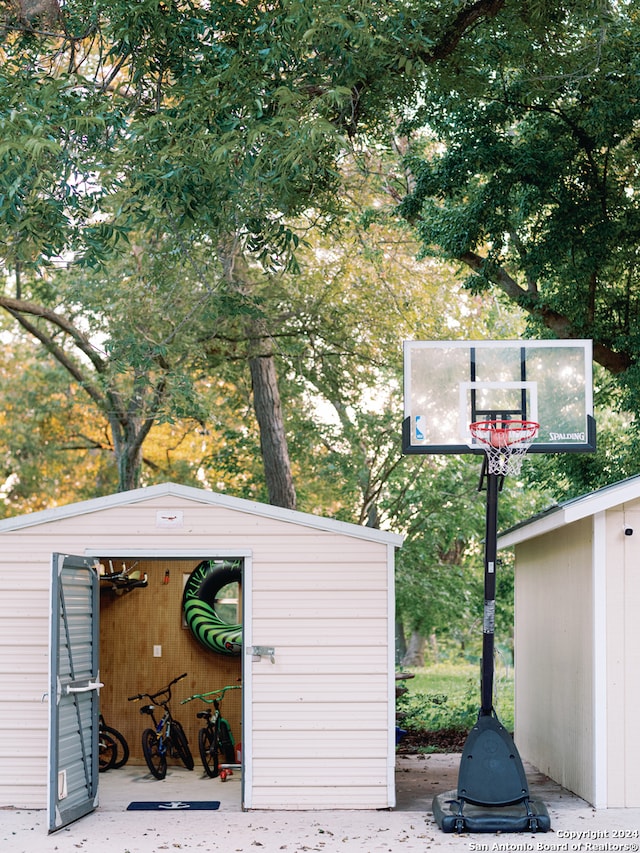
(74, 686)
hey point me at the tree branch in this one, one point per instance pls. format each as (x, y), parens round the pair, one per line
(18, 307)
(559, 324)
(61, 357)
(460, 25)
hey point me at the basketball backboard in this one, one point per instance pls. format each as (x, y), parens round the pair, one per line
(450, 384)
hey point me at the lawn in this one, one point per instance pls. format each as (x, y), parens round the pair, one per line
(447, 696)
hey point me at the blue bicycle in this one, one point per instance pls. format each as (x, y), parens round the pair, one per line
(167, 738)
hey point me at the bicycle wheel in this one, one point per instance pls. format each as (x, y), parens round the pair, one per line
(123, 747)
(208, 755)
(154, 755)
(181, 744)
(225, 742)
(107, 751)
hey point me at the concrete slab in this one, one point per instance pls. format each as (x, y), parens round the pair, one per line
(409, 828)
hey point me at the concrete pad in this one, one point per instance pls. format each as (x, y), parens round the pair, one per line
(409, 828)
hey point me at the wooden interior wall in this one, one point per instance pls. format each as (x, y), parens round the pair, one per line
(131, 625)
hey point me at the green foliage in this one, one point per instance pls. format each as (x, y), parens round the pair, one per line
(448, 697)
(525, 169)
(572, 475)
(433, 711)
(526, 172)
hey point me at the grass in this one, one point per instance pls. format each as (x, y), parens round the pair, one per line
(451, 692)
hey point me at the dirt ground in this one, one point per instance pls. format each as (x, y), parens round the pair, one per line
(444, 740)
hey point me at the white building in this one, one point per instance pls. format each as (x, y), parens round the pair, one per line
(318, 592)
(577, 643)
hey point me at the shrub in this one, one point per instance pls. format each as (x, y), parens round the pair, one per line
(435, 711)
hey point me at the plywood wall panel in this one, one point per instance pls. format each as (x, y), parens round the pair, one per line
(131, 625)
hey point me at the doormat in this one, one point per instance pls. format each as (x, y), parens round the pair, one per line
(173, 805)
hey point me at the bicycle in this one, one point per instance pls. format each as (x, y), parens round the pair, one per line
(215, 738)
(167, 738)
(125, 579)
(113, 748)
(107, 751)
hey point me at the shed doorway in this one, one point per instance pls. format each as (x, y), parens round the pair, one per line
(145, 642)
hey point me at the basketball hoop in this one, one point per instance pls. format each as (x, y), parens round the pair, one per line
(505, 443)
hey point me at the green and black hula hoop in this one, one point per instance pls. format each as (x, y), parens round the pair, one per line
(198, 605)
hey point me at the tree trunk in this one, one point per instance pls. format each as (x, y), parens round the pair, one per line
(401, 642)
(273, 440)
(266, 395)
(433, 645)
(129, 468)
(415, 652)
(127, 449)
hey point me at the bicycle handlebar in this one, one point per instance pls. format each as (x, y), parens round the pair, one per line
(217, 694)
(153, 696)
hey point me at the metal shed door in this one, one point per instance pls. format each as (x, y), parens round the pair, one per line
(74, 686)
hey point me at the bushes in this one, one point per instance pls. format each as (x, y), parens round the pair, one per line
(433, 711)
(448, 698)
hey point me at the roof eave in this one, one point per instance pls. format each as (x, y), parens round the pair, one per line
(202, 496)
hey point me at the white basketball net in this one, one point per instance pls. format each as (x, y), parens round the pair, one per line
(505, 443)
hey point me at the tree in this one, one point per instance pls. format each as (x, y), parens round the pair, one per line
(56, 447)
(219, 120)
(533, 183)
(219, 128)
(52, 441)
(127, 336)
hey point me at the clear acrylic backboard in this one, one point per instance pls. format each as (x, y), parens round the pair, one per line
(450, 384)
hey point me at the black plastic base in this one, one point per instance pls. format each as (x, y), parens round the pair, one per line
(454, 815)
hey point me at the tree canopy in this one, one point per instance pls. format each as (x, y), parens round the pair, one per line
(526, 171)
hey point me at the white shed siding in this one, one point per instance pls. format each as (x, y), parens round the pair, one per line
(24, 667)
(598, 596)
(554, 655)
(616, 630)
(323, 597)
(324, 702)
(631, 652)
(623, 657)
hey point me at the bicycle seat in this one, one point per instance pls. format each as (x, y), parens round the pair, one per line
(147, 709)
(204, 715)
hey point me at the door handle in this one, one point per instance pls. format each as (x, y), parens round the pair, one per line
(85, 688)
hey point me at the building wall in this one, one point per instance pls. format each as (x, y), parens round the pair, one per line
(554, 651)
(322, 598)
(24, 683)
(623, 656)
(321, 737)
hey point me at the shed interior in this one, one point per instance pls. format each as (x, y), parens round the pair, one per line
(145, 643)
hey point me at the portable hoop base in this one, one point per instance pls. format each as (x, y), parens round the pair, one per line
(493, 794)
(453, 816)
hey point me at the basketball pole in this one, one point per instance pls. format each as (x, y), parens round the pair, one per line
(489, 615)
(493, 792)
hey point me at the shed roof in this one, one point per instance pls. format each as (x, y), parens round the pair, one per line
(572, 510)
(202, 496)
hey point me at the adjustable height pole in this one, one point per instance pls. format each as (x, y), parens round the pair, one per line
(489, 618)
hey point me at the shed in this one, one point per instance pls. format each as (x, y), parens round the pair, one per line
(577, 643)
(317, 662)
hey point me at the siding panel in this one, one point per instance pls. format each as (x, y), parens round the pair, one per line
(554, 656)
(329, 686)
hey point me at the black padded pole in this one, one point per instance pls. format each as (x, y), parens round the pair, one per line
(488, 626)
